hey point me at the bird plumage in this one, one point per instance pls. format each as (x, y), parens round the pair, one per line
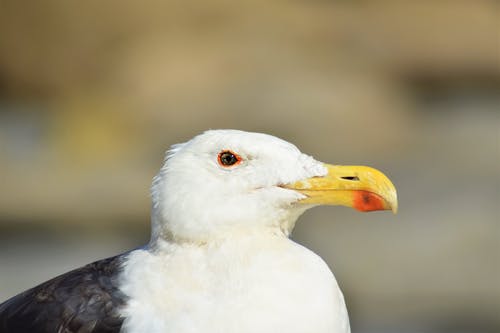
(85, 300)
(219, 259)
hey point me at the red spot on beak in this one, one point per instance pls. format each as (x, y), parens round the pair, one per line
(365, 201)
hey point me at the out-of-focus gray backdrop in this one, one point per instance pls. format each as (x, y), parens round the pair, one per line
(92, 93)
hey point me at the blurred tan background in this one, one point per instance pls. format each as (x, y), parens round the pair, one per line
(92, 93)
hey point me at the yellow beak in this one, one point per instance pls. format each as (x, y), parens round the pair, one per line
(363, 188)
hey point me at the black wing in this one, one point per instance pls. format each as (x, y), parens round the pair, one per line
(85, 300)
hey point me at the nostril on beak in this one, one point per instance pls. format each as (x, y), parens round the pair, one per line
(353, 178)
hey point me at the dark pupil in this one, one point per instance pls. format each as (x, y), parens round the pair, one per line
(228, 159)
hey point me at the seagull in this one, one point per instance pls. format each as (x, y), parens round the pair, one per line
(220, 259)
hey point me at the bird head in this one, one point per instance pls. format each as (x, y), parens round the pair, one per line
(225, 181)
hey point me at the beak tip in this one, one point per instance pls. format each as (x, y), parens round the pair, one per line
(394, 203)
(393, 200)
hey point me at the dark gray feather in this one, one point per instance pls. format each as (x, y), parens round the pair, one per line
(85, 300)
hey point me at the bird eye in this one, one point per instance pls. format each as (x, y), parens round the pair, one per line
(227, 158)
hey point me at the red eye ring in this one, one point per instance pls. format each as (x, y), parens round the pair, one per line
(227, 158)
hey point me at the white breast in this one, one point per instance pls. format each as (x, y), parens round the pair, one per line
(254, 283)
